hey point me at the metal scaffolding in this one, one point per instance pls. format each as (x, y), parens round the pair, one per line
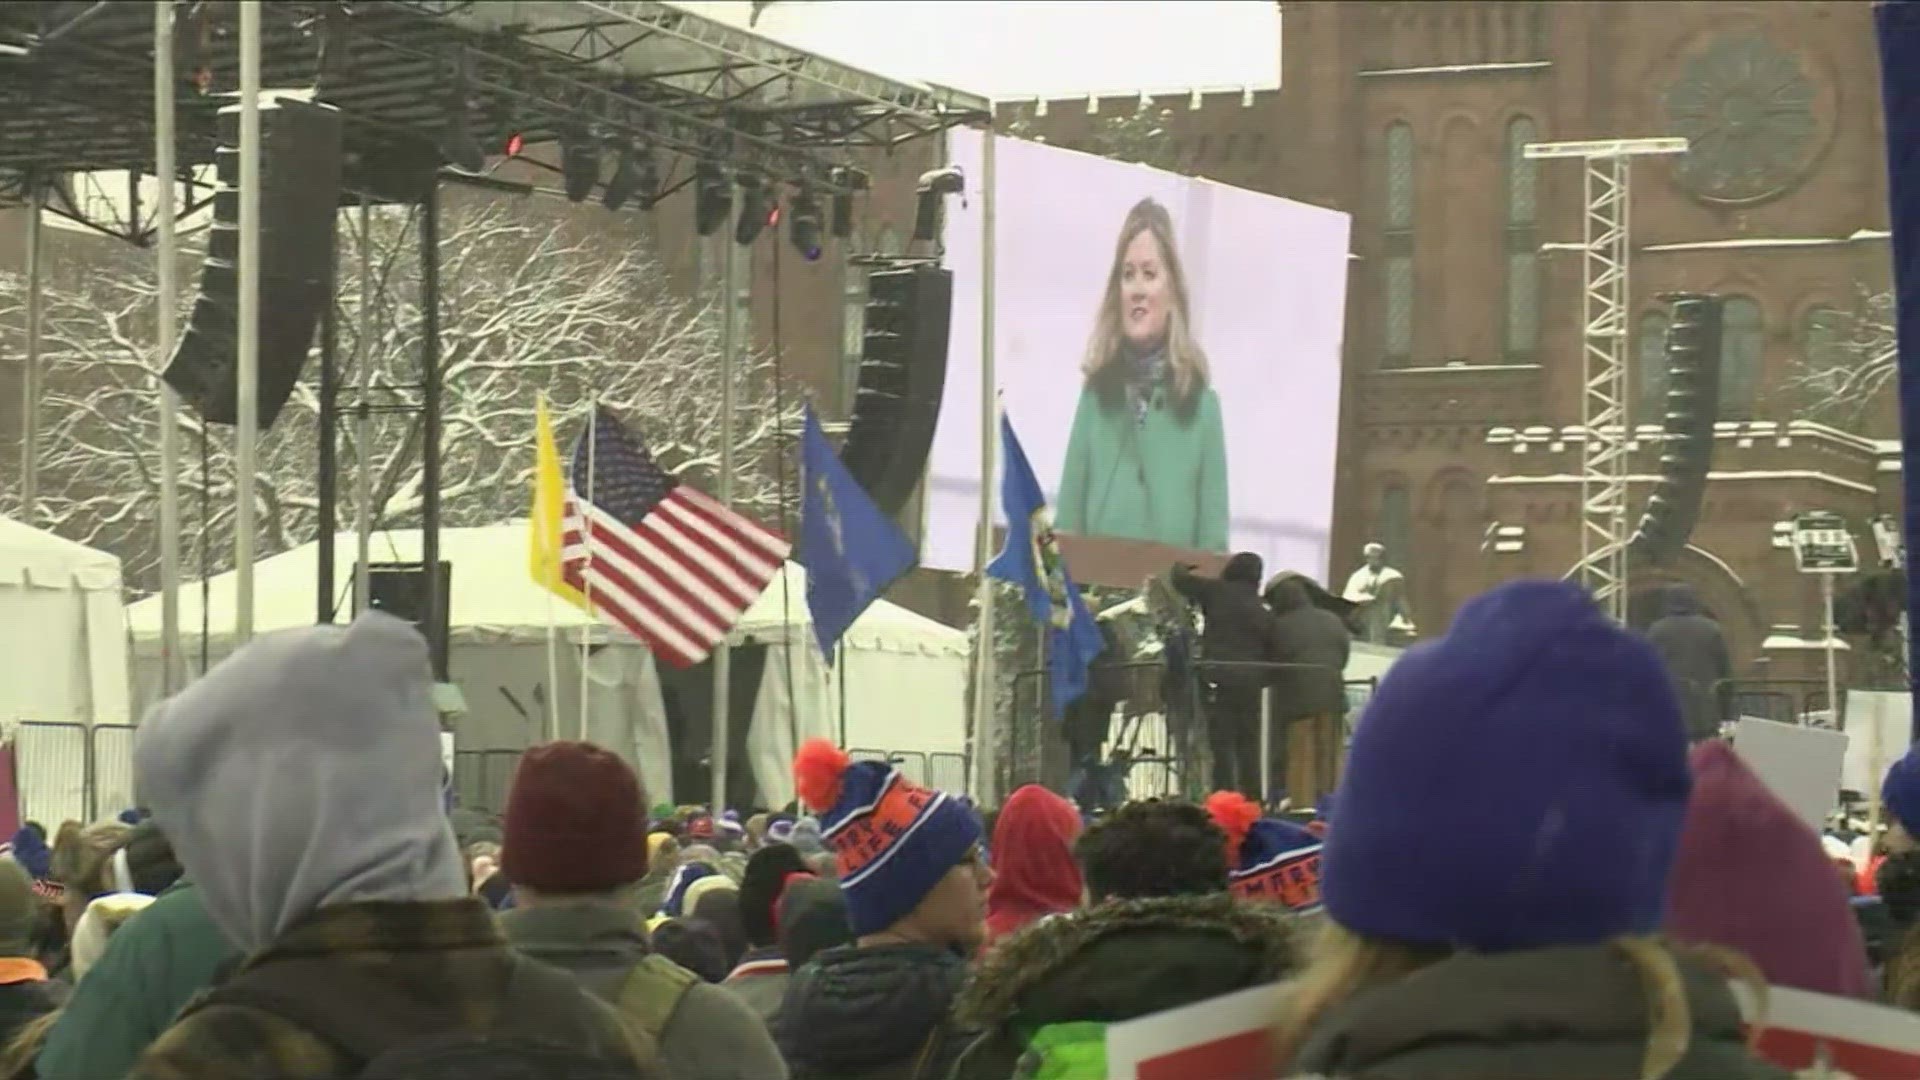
(1606, 224)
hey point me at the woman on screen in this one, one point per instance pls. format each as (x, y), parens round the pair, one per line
(1147, 459)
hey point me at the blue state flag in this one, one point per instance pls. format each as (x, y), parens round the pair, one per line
(1031, 559)
(852, 551)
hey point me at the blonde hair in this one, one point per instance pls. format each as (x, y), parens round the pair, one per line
(1185, 359)
(1345, 964)
(83, 856)
(17, 1059)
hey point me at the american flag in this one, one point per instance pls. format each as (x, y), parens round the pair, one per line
(670, 565)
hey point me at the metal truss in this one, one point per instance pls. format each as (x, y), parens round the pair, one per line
(1606, 224)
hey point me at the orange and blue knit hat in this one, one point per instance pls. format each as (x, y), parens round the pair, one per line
(892, 839)
(1267, 860)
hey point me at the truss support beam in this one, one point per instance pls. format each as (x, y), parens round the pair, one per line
(1606, 293)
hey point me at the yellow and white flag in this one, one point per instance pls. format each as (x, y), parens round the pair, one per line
(546, 535)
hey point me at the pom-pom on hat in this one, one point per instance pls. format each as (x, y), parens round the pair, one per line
(892, 839)
(1517, 784)
(1267, 860)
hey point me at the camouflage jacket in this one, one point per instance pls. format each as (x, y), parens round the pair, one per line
(448, 954)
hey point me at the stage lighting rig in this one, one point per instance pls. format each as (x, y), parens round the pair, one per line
(634, 174)
(844, 180)
(803, 224)
(712, 198)
(579, 163)
(755, 209)
(935, 186)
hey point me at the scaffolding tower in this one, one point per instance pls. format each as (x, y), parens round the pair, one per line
(1605, 295)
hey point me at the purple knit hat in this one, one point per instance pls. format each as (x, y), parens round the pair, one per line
(1751, 876)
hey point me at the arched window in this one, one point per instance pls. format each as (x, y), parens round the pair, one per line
(1742, 343)
(1650, 363)
(1522, 333)
(1394, 529)
(1397, 246)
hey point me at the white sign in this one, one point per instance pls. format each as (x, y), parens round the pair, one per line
(1822, 544)
(1223, 1038)
(1800, 765)
(1879, 728)
(1858, 1038)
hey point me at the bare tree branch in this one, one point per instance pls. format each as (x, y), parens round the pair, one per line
(528, 306)
(1848, 362)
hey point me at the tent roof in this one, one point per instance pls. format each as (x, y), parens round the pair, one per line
(30, 556)
(494, 597)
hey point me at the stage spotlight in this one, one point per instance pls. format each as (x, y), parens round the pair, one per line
(935, 186)
(754, 207)
(712, 198)
(457, 143)
(803, 225)
(843, 216)
(579, 163)
(634, 174)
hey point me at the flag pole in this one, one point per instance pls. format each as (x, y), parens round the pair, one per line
(983, 744)
(586, 566)
(723, 652)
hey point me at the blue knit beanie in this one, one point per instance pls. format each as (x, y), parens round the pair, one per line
(1901, 792)
(1268, 860)
(893, 839)
(686, 875)
(1517, 784)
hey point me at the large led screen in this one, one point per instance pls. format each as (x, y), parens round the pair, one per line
(1167, 348)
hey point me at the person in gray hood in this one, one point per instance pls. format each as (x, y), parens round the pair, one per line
(300, 784)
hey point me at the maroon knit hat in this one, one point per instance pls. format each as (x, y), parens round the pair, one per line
(576, 821)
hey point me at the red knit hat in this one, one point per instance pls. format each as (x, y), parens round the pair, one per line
(576, 821)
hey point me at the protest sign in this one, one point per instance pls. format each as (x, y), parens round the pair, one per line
(1223, 1038)
(1864, 1040)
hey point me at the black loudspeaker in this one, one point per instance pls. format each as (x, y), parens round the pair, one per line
(1693, 407)
(299, 190)
(400, 590)
(903, 370)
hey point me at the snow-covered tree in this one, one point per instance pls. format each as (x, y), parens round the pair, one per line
(532, 301)
(1849, 360)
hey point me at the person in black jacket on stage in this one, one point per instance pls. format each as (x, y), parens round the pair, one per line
(1239, 631)
(1695, 651)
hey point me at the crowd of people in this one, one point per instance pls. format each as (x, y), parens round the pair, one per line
(1526, 872)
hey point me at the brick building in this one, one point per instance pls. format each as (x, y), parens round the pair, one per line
(1462, 363)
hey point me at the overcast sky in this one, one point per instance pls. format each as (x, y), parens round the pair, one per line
(1035, 48)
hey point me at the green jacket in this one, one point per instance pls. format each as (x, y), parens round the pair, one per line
(152, 967)
(1161, 478)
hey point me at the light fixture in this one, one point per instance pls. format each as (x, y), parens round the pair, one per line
(579, 163)
(935, 186)
(803, 224)
(712, 198)
(633, 174)
(754, 208)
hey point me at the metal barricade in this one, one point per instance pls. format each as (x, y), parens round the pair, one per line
(1788, 701)
(481, 778)
(111, 782)
(68, 771)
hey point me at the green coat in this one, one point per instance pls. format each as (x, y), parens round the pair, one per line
(1162, 479)
(152, 967)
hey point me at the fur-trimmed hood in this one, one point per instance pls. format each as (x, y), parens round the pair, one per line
(1176, 948)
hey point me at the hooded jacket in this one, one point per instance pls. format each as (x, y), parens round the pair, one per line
(1116, 961)
(878, 1013)
(300, 784)
(1316, 643)
(1753, 877)
(1561, 1012)
(1695, 652)
(1034, 871)
(1239, 627)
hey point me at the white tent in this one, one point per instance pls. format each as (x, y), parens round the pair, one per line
(905, 675)
(61, 630)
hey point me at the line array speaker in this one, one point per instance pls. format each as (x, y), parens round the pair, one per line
(903, 370)
(1686, 454)
(299, 191)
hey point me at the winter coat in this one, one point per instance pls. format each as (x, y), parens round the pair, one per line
(1034, 871)
(760, 980)
(446, 956)
(877, 1013)
(1696, 656)
(1239, 627)
(1565, 1012)
(1117, 961)
(1315, 643)
(1158, 475)
(152, 967)
(709, 1035)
